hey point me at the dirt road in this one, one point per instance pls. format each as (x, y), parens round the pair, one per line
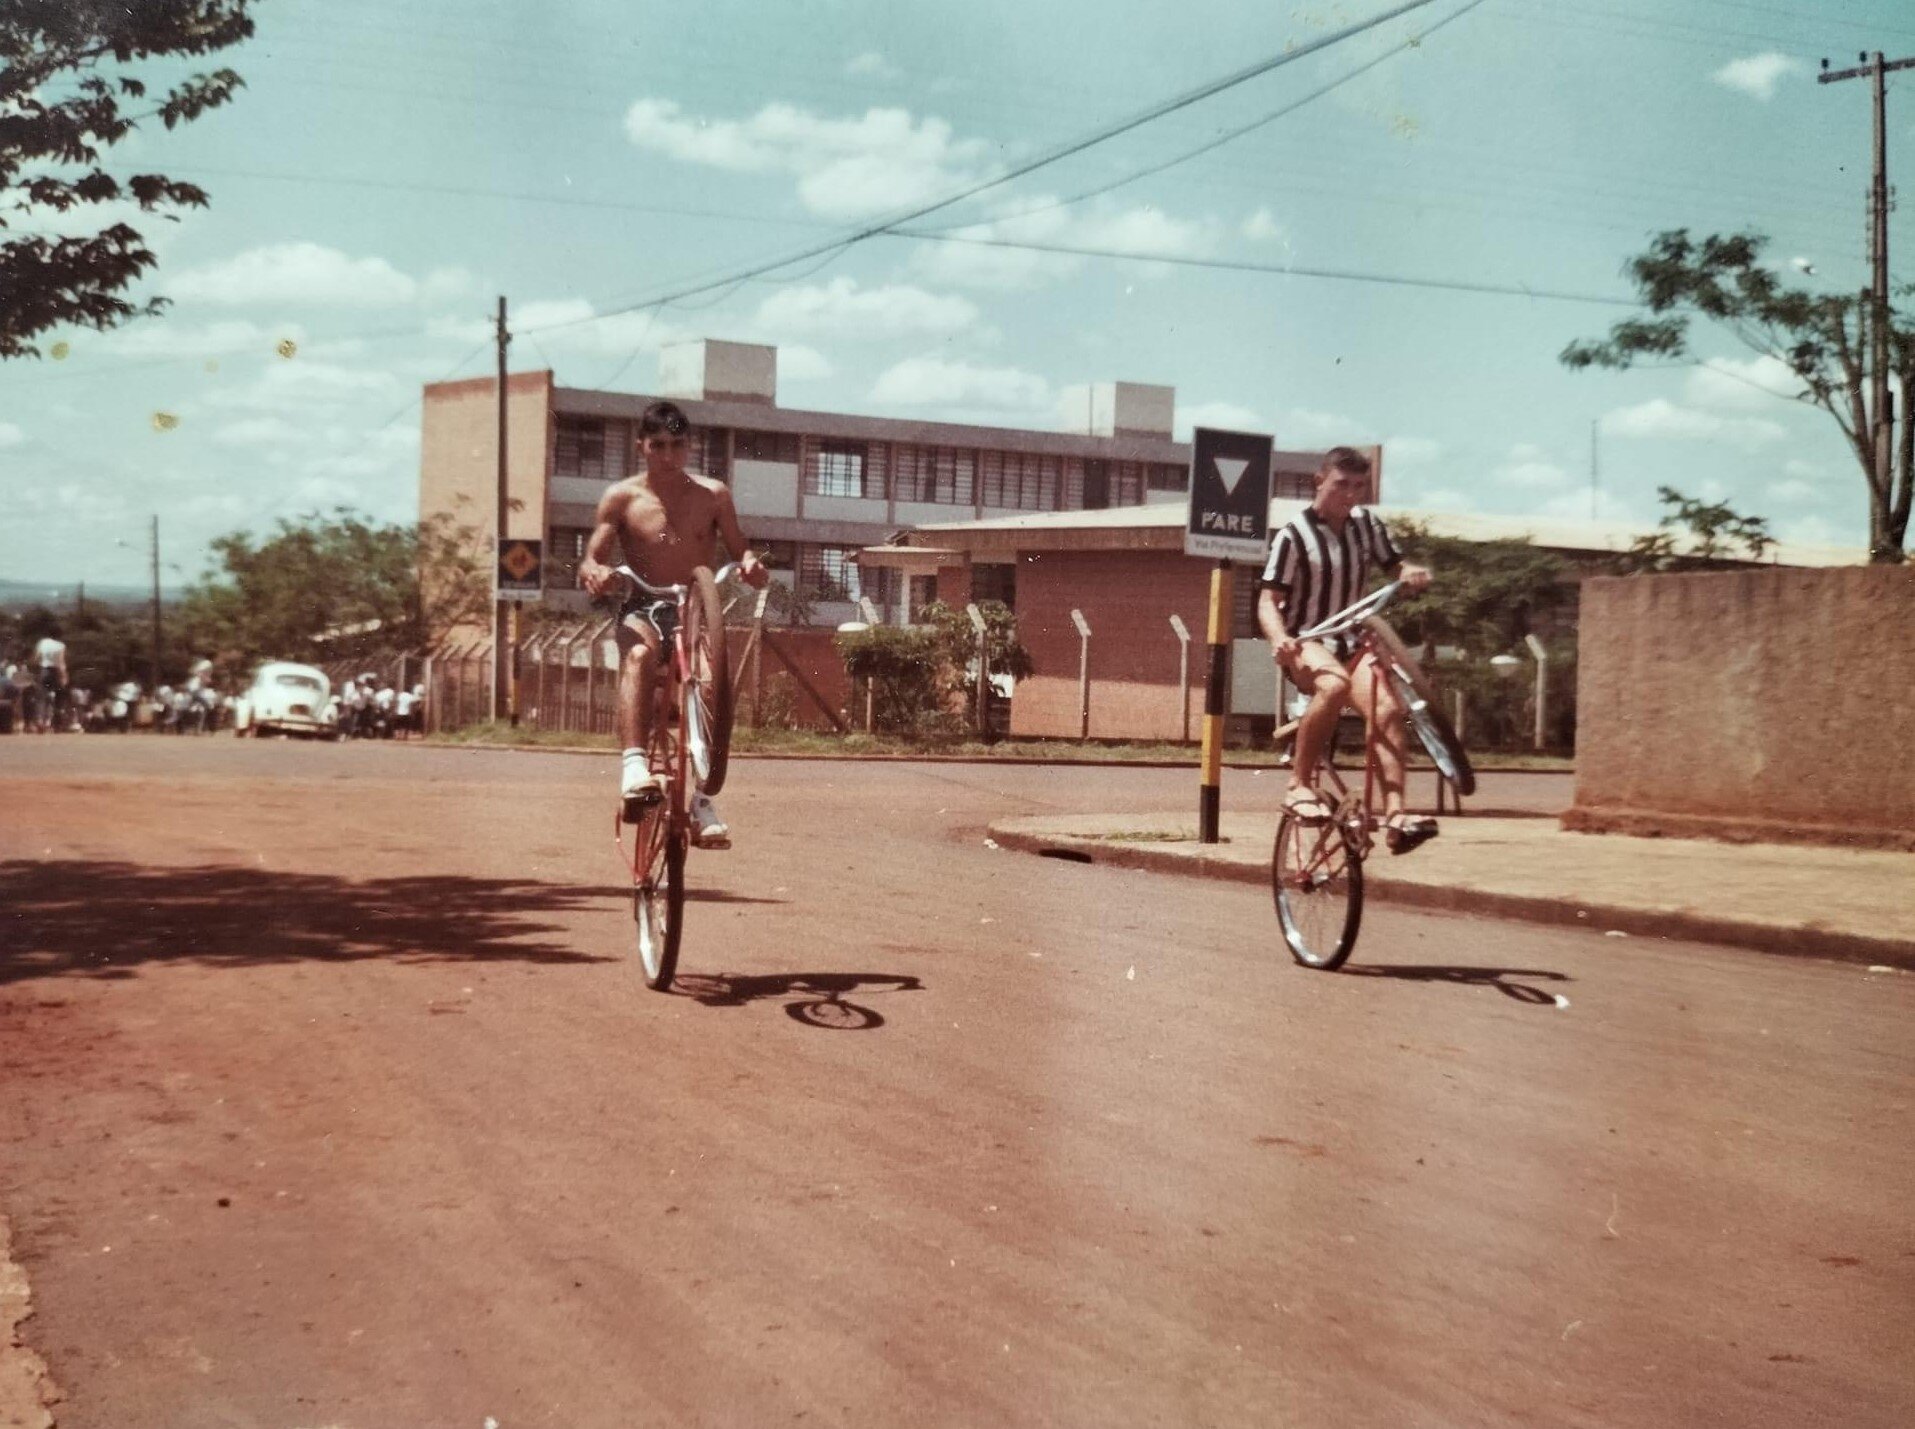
(330, 1096)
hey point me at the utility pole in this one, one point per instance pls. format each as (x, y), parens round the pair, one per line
(1875, 299)
(155, 670)
(501, 655)
(1592, 468)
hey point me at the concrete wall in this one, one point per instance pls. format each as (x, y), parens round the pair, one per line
(1127, 599)
(1773, 704)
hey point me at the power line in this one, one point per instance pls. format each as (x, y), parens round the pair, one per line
(1051, 156)
(1236, 265)
(1217, 143)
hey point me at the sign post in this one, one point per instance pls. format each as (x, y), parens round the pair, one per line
(983, 673)
(1228, 519)
(520, 578)
(1083, 675)
(1183, 676)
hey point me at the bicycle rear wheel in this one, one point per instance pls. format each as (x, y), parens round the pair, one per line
(708, 701)
(1316, 878)
(1423, 710)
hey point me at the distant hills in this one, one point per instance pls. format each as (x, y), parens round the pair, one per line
(61, 595)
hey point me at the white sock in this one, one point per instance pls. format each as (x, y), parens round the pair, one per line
(634, 764)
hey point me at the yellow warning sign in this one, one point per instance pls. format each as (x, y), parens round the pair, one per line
(520, 564)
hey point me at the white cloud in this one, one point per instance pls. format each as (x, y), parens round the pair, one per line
(846, 168)
(841, 308)
(11, 435)
(258, 432)
(1531, 474)
(1794, 490)
(938, 382)
(1399, 452)
(556, 328)
(1741, 386)
(296, 273)
(1222, 416)
(296, 386)
(873, 64)
(166, 338)
(1660, 419)
(1303, 427)
(1146, 229)
(1262, 227)
(1757, 75)
(443, 286)
(799, 363)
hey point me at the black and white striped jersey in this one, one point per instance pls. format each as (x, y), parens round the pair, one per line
(1319, 571)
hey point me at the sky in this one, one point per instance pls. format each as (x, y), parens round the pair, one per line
(1438, 207)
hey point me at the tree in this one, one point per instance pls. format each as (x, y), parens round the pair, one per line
(1714, 530)
(1817, 335)
(63, 82)
(1487, 595)
(339, 584)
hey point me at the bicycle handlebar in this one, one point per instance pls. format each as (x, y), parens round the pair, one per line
(671, 592)
(1354, 615)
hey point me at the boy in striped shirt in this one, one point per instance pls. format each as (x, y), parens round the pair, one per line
(1319, 564)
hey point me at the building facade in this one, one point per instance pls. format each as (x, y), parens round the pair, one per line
(812, 488)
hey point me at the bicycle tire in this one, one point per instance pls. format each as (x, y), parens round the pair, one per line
(708, 681)
(1424, 710)
(658, 895)
(1316, 882)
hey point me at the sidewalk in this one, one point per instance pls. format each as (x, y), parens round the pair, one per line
(1853, 904)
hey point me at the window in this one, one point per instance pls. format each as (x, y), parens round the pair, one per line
(943, 476)
(766, 446)
(581, 449)
(1126, 483)
(834, 468)
(1025, 481)
(828, 572)
(1297, 485)
(994, 582)
(564, 549)
(1164, 477)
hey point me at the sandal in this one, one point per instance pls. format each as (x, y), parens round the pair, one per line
(1403, 832)
(1307, 806)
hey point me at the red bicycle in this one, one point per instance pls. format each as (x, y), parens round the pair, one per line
(690, 746)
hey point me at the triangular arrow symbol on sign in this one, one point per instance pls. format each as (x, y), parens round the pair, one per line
(1230, 471)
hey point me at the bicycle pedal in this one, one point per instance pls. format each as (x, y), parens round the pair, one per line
(637, 804)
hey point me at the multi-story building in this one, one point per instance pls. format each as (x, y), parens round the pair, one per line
(812, 488)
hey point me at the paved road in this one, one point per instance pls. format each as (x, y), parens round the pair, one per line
(331, 1098)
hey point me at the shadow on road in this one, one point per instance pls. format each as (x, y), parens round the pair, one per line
(818, 997)
(1472, 977)
(103, 920)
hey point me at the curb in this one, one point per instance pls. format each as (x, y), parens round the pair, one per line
(1555, 912)
(1014, 761)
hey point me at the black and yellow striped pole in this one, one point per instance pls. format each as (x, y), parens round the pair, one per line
(1216, 705)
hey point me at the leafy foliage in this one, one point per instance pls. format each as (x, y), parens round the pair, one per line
(924, 675)
(333, 577)
(1487, 595)
(1714, 529)
(51, 147)
(1819, 336)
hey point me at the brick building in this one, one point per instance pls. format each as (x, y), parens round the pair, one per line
(1126, 571)
(812, 488)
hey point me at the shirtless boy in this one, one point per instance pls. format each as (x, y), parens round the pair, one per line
(665, 523)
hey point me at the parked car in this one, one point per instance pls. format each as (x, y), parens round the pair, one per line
(285, 698)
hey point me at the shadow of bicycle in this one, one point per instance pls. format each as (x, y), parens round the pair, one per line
(818, 999)
(1470, 977)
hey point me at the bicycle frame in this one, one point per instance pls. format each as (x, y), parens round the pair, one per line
(1359, 815)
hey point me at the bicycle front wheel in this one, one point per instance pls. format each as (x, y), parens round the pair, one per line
(708, 702)
(1424, 712)
(658, 894)
(1316, 877)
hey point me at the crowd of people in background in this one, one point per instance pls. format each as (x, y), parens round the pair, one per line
(37, 695)
(370, 708)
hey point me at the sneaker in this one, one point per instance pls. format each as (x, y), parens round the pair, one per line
(639, 789)
(709, 830)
